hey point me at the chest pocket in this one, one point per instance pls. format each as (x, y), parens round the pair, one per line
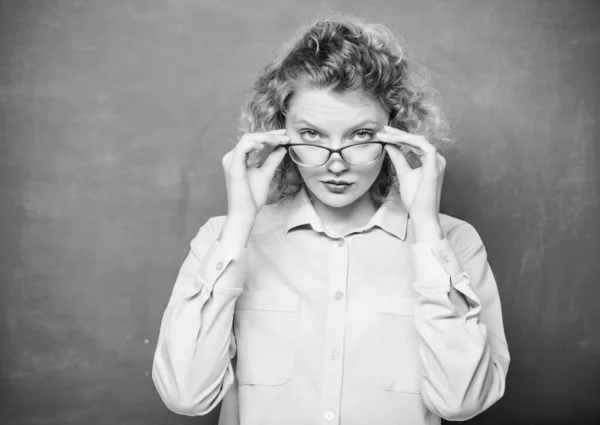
(398, 366)
(266, 327)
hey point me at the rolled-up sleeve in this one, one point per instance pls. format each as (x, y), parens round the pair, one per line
(192, 368)
(459, 318)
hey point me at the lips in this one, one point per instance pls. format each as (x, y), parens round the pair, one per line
(337, 186)
(338, 182)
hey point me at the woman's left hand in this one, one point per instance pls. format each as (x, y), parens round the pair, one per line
(421, 188)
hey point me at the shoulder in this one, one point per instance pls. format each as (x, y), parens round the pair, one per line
(272, 215)
(459, 233)
(269, 216)
(216, 222)
(210, 230)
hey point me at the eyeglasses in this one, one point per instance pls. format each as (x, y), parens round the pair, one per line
(309, 155)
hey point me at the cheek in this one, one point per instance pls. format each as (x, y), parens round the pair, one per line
(369, 175)
(307, 174)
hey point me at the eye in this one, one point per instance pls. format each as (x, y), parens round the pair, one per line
(310, 135)
(364, 135)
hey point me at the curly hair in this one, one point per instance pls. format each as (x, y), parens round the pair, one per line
(341, 54)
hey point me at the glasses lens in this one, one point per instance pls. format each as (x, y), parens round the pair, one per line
(311, 156)
(362, 154)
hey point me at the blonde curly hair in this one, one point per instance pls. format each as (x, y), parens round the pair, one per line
(346, 53)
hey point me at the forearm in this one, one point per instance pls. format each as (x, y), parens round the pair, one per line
(462, 375)
(464, 365)
(192, 365)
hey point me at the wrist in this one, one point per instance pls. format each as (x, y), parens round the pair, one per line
(428, 230)
(236, 230)
(240, 218)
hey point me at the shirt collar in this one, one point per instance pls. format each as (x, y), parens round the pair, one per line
(300, 212)
(391, 217)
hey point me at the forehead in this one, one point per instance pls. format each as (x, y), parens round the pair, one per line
(327, 107)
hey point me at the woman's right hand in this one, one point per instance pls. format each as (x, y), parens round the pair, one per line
(248, 186)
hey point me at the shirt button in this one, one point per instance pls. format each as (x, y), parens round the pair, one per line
(339, 295)
(219, 265)
(446, 258)
(341, 242)
(329, 416)
(334, 355)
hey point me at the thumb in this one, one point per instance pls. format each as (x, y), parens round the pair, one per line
(273, 160)
(398, 159)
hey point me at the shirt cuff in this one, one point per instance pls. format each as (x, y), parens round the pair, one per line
(223, 269)
(435, 264)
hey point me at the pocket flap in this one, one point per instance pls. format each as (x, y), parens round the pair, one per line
(268, 300)
(393, 304)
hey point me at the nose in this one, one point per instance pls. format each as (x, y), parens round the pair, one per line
(336, 164)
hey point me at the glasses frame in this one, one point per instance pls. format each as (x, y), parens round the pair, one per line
(339, 151)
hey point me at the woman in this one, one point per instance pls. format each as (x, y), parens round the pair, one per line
(334, 291)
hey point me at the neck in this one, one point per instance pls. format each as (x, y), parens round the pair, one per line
(351, 216)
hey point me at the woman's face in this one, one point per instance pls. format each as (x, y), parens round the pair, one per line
(321, 117)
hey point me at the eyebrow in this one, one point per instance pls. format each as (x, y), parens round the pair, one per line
(362, 123)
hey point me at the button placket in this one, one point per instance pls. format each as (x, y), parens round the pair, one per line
(335, 335)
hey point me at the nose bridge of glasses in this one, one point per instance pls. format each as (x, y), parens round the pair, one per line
(344, 153)
(337, 153)
(331, 156)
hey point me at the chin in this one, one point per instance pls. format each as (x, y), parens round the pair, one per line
(336, 200)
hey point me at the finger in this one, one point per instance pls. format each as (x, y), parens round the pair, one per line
(237, 165)
(398, 159)
(394, 130)
(415, 140)
(404, 146)
(421, 144)
(442, 160)
(255, 142)
(274, 139)
(402, 140)
(225, 158)
(239, 156)
(416, 143)
(272, 161)
(440, 164)
(432, 167)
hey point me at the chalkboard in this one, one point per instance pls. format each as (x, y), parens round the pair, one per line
(114, 117)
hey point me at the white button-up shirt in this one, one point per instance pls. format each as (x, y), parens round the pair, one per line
(305, 326)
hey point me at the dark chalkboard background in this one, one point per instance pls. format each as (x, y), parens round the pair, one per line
(114, 118)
